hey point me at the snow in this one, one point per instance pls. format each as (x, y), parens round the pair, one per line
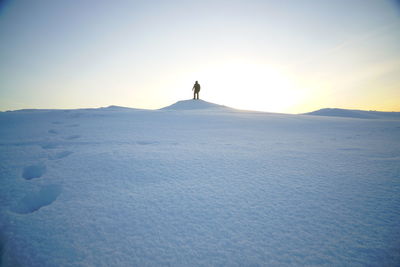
(351, 113)
(198, 104)
(197, 184)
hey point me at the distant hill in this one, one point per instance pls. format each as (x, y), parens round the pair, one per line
(195, 104)
(111, 108)
(352, 113)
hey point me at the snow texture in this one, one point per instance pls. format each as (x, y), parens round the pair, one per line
(197, 184)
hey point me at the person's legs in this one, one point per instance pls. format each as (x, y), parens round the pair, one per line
(194, 95)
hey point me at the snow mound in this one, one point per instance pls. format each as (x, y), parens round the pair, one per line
(350, 113)
(117, 108)
(195, 104)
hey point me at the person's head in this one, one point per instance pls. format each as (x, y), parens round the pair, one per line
(197, 82)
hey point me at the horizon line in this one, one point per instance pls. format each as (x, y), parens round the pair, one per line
(239, 109)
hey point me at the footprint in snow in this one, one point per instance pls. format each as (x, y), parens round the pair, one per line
(72, 125)
(57, 122)
(350, 149)
(33, 201)
(146, 142)
(33, 171)
(72, 137)
(76, 115)
(49, 145)
(52, 131)
(60, 155)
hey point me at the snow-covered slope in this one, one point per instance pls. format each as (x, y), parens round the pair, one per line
(351, 113)
(125, 187)
(195, 105)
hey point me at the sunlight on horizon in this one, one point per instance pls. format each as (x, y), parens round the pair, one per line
(250, 86)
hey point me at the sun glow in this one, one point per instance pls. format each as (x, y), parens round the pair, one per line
(250, 86)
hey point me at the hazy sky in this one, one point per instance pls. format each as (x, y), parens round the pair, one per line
(281, 56)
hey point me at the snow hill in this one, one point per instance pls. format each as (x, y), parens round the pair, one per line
(197, 184)
(195, 105)
(362, 114)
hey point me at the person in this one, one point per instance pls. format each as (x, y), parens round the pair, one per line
(196, 88)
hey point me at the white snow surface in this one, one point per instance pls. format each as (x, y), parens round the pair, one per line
(190, 186)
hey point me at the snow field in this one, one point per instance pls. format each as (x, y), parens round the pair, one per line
(199, 186)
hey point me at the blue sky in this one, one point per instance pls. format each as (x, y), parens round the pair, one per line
(281, 56)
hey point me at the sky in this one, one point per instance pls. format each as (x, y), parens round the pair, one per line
(289, 56)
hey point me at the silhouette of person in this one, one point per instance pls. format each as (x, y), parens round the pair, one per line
(196, 88)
